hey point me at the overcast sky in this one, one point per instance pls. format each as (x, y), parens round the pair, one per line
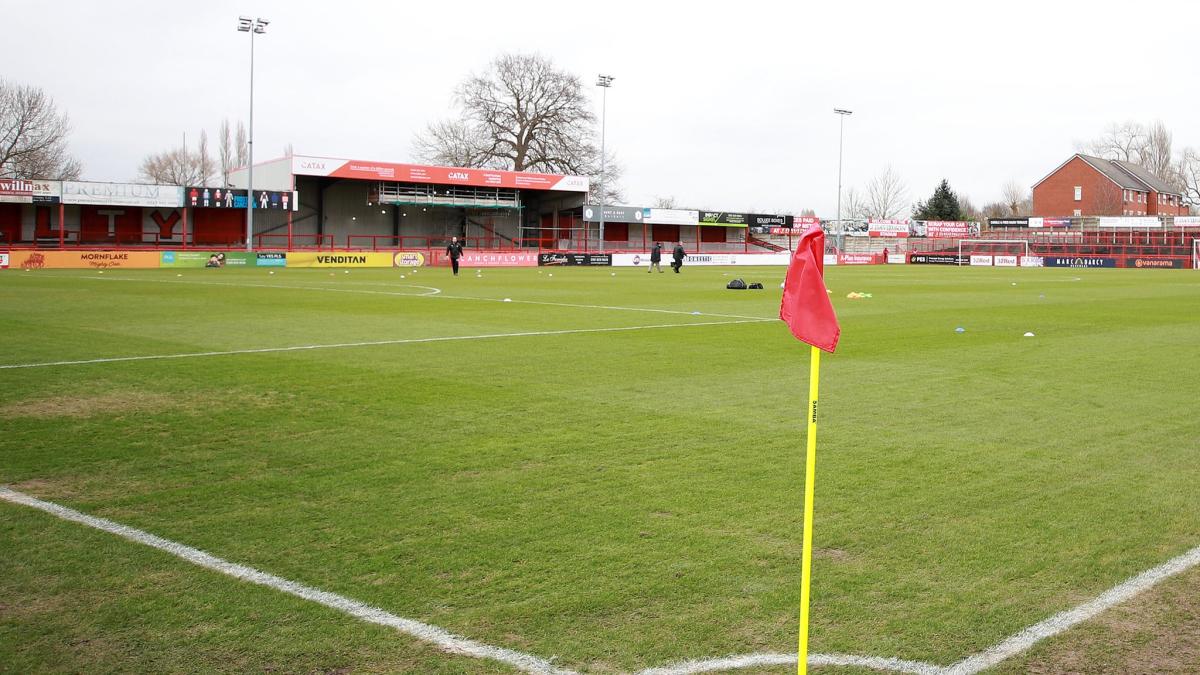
(720, 105)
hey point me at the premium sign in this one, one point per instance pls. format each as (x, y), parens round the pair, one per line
(936, 259)
(339, 260)
(438, 175)
(499, 259)
(1138, 222)
(1155, 263)
(122, 194)
(723, 218)
(229, 198)
(887, 228)
(1077, 261)
(956, 229)
(408, 259)
(83, 259)
(671, 216)
(613, 214)
(575, 259)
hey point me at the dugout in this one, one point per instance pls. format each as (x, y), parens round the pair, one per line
(370, 205)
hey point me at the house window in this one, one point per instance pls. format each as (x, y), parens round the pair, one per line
(1078, 192)
(1078, 212)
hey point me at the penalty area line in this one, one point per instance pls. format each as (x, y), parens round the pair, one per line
(372, 343)
(440, 637)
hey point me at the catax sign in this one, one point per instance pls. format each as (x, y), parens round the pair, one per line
(437, 175)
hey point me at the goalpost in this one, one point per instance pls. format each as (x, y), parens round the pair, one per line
(991, 247)
(1196, 253)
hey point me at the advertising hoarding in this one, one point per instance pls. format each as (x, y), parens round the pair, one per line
(440, 175)
(122, 194)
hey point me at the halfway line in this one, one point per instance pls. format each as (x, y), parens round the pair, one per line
(372, 343)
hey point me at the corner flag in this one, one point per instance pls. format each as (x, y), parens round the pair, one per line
(809, 315)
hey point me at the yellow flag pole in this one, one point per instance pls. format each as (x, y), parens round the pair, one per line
(810, 474)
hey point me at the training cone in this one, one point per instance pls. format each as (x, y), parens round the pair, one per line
(1028, 335)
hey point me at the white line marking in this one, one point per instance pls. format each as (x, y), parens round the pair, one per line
(434, 292)
(1060, 622)
(759, 660)
(374, 343)
(444, 639)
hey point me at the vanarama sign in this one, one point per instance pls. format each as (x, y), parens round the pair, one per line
(340, 260)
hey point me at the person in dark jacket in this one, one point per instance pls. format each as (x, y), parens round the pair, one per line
(455, 251)
(678, 254)
(655, 258)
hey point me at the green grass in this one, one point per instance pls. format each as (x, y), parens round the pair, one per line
(618, 500)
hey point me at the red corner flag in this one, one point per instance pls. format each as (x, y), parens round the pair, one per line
(806, 307)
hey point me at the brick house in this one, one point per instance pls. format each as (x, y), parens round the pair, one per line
(1089, 186)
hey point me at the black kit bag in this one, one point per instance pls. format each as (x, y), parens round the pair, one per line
(736, 285)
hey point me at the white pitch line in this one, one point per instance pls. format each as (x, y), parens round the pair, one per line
(373, 343)
(435, 292)
(1062, 621)
(444, 639)
(759, 660)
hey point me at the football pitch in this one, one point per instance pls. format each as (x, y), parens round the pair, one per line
(598, 469)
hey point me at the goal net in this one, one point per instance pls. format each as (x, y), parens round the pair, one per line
(999, 252)
(1196, 253)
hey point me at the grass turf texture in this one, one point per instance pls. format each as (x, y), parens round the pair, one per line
(618, 500)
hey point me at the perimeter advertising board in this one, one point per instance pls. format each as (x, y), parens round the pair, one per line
(937, 259)
(122, 194)
(84, 259)
(498, 259)
(575, 259)
(408, 259)
(339, 260)
(1078, 261)
(707, 259)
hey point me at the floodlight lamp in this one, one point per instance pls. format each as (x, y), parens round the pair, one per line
(841, 111)
(604, 81)
(262, 21)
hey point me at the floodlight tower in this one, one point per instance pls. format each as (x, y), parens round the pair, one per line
(604, 81)
(257, 26)
(842, 114)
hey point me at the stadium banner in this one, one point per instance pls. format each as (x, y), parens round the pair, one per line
(188, 258)
(856, 259)
(1078, 261)
(1005, 261)
(1051, 222)
(1187, 221)
(706, 259)
(498, 259)
(831, 258)
(218, 198)
(1008, 222)
(887, 228)
(339, 259)
(20, 191)
(1029, 261)
(408, 259)
(1134, 222)
(84, 259)
(936, 259)
(769, 220)
(670, 216)
(575, 259)
(981, 261)
(270, 260)
(613, 214)
(956, 229)
(122, 194)
(1155, 263)
(725, 219)
(897, 259)
(437, 175)
(3, 260)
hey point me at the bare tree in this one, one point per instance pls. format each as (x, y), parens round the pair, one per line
(885, 197)
(667, 202)
(1188, 171)
(968, 209)
(289, 150)
(1016, 198)
(204, 161)
(241, 146)
(1122, 141)
(996, 210)
(1109, 200)
(225, 151)
(1155, 153)
(808, 213)
(522, 114)
(180, 166)
(33, 135)
(853, 206)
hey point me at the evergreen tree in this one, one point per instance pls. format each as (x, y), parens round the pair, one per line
(943, 205)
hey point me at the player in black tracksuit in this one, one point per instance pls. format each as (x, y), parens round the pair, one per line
(655, 258)
(678, 254)
(455, 251)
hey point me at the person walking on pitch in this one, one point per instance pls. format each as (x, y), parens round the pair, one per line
(678, 254)
(455, 251)
(655, 258)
